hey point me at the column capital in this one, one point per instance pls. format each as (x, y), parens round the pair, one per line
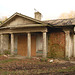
(11, 33)
(44, 31)
(67, 32)
(28, 32)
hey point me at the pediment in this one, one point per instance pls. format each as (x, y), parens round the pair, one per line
(19, 19)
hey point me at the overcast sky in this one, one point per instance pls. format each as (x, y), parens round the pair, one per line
(50, 9)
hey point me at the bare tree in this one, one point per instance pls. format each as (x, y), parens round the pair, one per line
(3, 18)
(71, 14)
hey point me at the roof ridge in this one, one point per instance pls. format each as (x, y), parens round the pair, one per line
(59, 19)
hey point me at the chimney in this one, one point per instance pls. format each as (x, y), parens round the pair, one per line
(38, 15)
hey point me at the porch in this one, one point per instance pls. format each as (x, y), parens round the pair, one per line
(29, 44)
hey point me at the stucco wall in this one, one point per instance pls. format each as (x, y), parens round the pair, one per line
(15, 41)
(20, 21)
(6, 41)
(39, 42)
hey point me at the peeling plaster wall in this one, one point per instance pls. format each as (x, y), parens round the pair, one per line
(39, 42)
(15, 41)
(20, 21)
(5, 42)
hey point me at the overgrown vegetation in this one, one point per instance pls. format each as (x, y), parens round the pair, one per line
(7, 60)
(44, 59)
(56, 46)
(34, 66)
(6, 52)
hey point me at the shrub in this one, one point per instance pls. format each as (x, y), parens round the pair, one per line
(43, 59)
(6, 52)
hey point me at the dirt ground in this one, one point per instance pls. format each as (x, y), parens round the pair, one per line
(35, 66)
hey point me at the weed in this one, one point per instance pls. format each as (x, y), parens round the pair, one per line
(7, 60)
(66, 58)
(44, 59)
(69, 69)
(6, 52)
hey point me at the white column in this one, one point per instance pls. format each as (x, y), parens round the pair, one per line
(2, 44)
(29, 44)
(68, 44)
(12, 43)
(74, 46)
(44, 45)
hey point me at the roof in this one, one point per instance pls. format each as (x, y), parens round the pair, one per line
(57, 22)
(24, 16)
(61, 22)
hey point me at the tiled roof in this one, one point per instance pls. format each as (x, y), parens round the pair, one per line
(61, 22)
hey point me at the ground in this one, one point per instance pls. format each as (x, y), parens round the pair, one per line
(35, 66)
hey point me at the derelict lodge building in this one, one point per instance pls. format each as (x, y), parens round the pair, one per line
(26, 36)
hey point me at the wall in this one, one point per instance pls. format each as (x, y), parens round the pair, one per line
(5, 44)
(39, 42)
(56, 44)
(19, 21)
(15, 40)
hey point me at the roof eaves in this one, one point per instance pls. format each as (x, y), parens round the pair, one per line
(8, 19)
(29, 18)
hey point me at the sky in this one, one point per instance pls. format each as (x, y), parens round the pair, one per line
(50, 9)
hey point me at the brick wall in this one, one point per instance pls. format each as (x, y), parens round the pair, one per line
(56, 45)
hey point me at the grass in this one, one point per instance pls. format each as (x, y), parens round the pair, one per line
(7, 60)
(46, 67)
(69, 69)
(38, 71)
